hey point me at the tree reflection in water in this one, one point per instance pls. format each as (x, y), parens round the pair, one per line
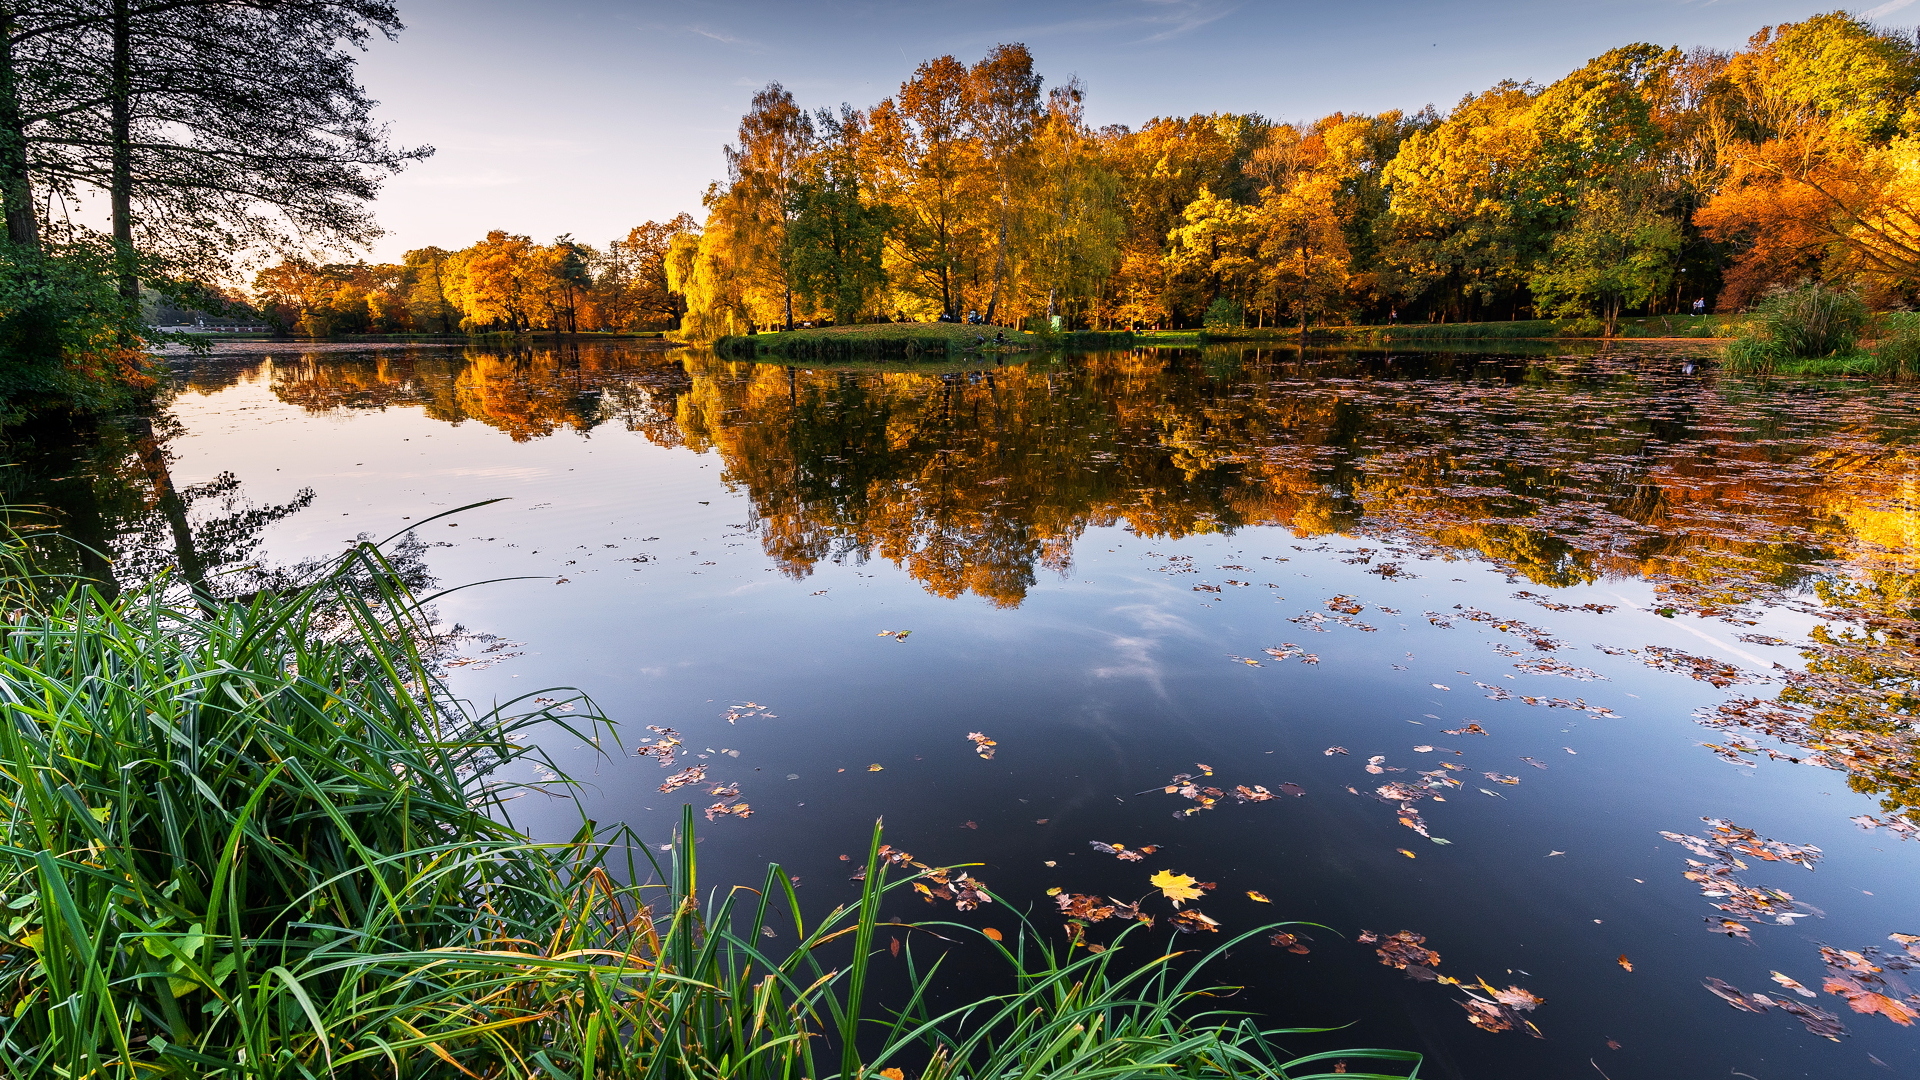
(1728, 497)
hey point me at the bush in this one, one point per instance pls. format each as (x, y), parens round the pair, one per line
(1813, 320)
(67, 338)
(1898, 350)
(1224, 314)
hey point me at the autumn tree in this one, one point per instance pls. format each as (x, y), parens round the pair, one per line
(631, 288)
(928, 173)
(1821, 182)
(1072, 222)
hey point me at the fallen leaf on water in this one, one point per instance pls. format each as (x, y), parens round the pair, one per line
(1501, 778)
(1192, 922)
(981, 744)
(1258, 896)
(1178, 888)
(875, 767)
(1470, 729)
(1423, 749)
(971, 825)
(897, 635)
(1792, 984)
(892, 1074)
(695, 775)
(719, 810)
(1332, 750)
(1289, 942)
(1440, 686)
(893, 946)
(1551, 854)
(1205, 770)
(1122, 852)
(1293, 789)
(1734, 996)
(1407, 853)
(1535, 764)
(1041, 821)
(1500, 1010)
(992, 934)
(1624, 962)
(1403, 950)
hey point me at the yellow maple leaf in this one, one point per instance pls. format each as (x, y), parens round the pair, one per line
(1261, 897)
(1177, 887)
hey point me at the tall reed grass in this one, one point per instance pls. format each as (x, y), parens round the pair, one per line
(1809, 321)
(261, 840)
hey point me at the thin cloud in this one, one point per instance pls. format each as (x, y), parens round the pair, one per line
(724, 38)
(1166, 19)
(1885, 9)
(1182, 16)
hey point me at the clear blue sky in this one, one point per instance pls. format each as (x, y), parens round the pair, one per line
(590, 116)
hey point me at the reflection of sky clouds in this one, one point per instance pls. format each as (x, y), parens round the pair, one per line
(1135, 656)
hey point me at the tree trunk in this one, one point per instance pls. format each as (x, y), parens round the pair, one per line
(999, 255)
(153, 457)
(122, 151)
(16, 188)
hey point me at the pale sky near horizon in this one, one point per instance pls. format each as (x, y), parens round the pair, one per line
(591, 116)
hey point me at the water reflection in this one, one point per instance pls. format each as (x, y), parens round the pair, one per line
(104, 507)
(1562, 470)
(1733, 501)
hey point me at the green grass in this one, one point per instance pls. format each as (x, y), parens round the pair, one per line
(263, 839)
(876, 341)
(1658, 326)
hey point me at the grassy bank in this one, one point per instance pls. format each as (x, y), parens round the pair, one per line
(263, 839)
(876, 341)
(1660, 326)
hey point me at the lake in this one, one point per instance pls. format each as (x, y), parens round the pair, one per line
(1494, 650)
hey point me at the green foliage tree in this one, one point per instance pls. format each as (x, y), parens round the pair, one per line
(835, 239)
(1617, 253)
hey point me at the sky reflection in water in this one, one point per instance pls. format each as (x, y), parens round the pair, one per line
(1124, 567)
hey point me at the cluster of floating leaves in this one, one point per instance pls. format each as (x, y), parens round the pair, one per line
(937, 882)
(1722, 853)
(1488, 1008)
(1123, 852)
(1870, 980)
(981, 744)
(1203, 797)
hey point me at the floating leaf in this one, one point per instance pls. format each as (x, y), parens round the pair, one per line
(992, 934)
(1792, 984)
(1192, 922)
(1289, 942)
(1178, 888)
(1624, 962)
(1258, 896)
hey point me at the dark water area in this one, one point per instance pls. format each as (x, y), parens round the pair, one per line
(1442, 643)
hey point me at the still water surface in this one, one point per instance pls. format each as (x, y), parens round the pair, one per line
(1478, 612)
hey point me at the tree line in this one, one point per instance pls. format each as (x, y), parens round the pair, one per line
(506, 282)
(1647, 180)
